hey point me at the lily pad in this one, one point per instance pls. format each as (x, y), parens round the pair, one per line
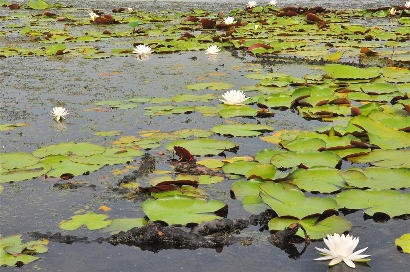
(91, 220)
(403, 242)
(323, 180)
(292, 159)
(16, 160)
(202, 147)
(286, 200)
(241, 129)
(315, 230)
(209, 85)
(385, 158)
(378, 178)
(124, 224)
(390, 202)
(238, 111)
(70, 148)
(341, 71)
(181, 210)
(13, 251)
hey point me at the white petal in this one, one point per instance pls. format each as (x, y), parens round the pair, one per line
(357, 252)
(324, 250)
(325, 258)
(349, 263)
(358, 257)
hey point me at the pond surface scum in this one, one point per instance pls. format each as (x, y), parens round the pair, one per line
(151, 170)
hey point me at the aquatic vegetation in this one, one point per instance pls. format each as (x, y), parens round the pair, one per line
(13, 251)
(341, 248)
(305, 146)
(403, 243)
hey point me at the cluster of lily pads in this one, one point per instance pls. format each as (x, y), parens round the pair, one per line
(315, 33)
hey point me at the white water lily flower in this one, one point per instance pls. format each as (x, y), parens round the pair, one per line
(229, 20)
(233, 97)
(273, 3)
(93, 16)
(59, 113)
(142, 49)
(251, 4)
(341, 249)
(407, 5)
(212, 50)
(392, 11)
(130, 9)
(256, 27)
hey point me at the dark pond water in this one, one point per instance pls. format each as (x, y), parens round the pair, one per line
(30, 87)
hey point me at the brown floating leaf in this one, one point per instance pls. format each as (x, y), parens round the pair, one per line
(257, 45)
(183, 154)
(367, 51)
(14, 6)
(207, 23)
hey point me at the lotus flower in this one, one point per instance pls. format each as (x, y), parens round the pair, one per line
(392, 11)
(59, 113)
(341, 249)
(142, 50)
(273, 3)
(233, 97)
(407, 5)
(251, 4)
(229, 20)
(212, 50)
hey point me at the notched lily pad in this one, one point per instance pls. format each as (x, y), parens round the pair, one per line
(181, 210)
(91, 220)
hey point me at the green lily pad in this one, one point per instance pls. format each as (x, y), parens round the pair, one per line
(262, 171)
(91, 220)
(341, 71)
(241, 129)
(63, 165)
(25, 173)
(323, 180)
(202, 147)
(230, 111)
(239, 167)
(38, 4)
(108, 133)
(70, 148)
(286, 200)
(209, 85)
(181, 210)
(378, 178)
(8, 127)
(292, 159)
(16, 160)
(385, 158)
(109, 157)
(381, 135)
(403, 242)
(13, 251)
(315, 230)
(124, 224)
(390, 202)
